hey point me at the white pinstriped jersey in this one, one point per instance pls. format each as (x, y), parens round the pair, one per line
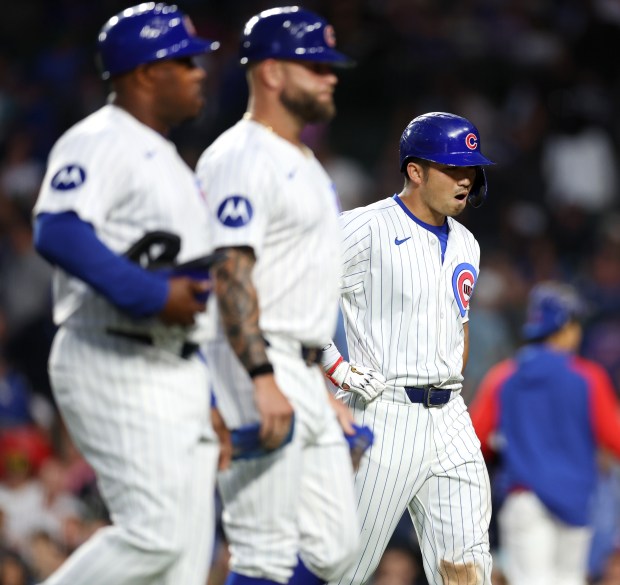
(284, 206)
(125, 179)
(404, 309)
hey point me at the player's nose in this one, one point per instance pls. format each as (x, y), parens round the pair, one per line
(467, 175)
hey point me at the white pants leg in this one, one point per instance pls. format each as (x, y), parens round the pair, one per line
(538, 548)
(141, 418)
(298, 500)
(427, 461)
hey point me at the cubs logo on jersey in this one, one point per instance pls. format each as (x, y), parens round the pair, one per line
(69, 177)
(235, 211)
(463, 282)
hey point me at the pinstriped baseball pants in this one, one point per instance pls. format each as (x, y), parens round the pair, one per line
(426, 461)
(141, 418)
(298, 500)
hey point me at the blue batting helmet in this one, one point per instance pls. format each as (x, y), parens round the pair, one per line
(293, 33)
(446, 139)
(145, 33)
(550, 306)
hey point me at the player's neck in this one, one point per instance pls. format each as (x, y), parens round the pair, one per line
(422, 212)
(279, 123)
(142, 114)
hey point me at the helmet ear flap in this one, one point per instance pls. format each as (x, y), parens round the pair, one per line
(478, 194)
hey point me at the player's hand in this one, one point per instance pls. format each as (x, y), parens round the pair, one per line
(358, 438)
(276, 412)
(343, 413)
(223, 434)
(182, 303)
(365, 382)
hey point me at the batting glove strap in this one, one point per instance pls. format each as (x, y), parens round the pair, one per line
(363, 381)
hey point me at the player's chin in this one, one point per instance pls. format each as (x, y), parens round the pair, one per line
(323, 112)
(457, 206)
(194, 107)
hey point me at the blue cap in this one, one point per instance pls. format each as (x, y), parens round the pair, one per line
(145, 33)
(551, 305)
(292, 33)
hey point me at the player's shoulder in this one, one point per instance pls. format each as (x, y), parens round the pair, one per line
(105, 130)
(243, 143)
(367, 214)
(589, 369)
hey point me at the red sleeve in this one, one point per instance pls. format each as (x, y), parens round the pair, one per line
(604, 406)
(484, 410)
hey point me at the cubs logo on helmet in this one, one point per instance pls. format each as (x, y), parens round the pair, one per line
(471, 141)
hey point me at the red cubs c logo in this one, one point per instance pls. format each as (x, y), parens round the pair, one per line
(330, 36)
(471, 141)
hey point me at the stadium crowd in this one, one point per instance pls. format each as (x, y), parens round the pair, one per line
(538, 78)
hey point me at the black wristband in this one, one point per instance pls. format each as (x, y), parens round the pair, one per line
(265, 368)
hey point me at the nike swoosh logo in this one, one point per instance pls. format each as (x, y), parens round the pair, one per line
(149, 153)
(291, 174)
(399, 242)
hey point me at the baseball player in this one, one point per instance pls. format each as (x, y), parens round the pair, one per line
(546, 412)
(117, 206)
(274, 213)
(409, 272)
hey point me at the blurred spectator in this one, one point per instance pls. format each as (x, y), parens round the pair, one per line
(400, 565)
(490, 336)
(13, 569)
(605, 516)
(611, 576)
(45, 555)
(25, 299)
(21, 173)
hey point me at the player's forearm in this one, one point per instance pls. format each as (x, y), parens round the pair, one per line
(238, 305)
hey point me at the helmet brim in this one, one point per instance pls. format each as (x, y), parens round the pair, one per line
(190, 47)
(463, 159)
(309, 55)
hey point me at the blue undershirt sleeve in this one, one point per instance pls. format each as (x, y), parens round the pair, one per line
(71, 243)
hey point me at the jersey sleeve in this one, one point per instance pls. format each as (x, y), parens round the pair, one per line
(86, 174)
(242, 192)
(604, 406)
(357, 240)
(484, 410)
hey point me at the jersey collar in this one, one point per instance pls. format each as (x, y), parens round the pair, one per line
(435, 229)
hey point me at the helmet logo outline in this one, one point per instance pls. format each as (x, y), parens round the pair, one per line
(189, 26)
(471, 141)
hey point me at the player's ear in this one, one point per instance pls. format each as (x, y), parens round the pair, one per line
(271, 72)
(145, 75)
(415, 172)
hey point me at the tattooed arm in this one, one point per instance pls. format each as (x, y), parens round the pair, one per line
(238, 305)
